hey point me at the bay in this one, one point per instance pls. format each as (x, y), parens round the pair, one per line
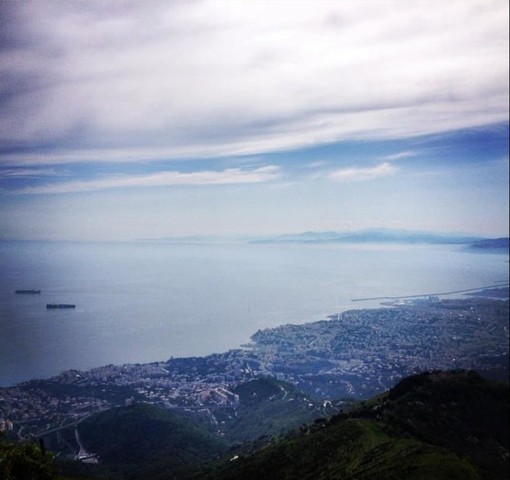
(143, 302)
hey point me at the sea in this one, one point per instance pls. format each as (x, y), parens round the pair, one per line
(143, 302)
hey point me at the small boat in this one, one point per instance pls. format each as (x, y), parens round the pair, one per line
(51, 306)
(28, 292)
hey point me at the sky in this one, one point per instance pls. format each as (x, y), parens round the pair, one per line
(125, 120)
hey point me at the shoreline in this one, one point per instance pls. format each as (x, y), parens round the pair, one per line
(250, 346)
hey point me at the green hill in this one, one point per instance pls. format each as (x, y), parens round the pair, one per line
(146, 441)
(269, 408)
(430, 426)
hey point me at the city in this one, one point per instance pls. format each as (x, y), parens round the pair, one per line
(352, 355)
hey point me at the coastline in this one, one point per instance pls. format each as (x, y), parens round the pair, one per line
(355, 355)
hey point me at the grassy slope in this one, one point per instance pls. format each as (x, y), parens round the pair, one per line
(269, 408)
(354, 449)
(143, 440)
(437, 426)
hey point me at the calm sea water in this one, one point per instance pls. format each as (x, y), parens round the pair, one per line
(148, 302)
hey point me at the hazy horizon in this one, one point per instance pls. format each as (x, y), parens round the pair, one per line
(414, 237)
(128, 120)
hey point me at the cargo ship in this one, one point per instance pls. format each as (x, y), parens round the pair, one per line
(50, 306)
(28, 292)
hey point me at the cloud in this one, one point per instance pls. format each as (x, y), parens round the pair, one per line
(108, 81)
(161, 179)
(400, 155)
(30, 172)
(346, 175)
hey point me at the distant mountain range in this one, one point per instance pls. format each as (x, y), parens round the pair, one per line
(368, 236)
(373, 236)
(493, 244)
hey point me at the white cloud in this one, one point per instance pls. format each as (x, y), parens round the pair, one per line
(161, 179)
(109, 80)
(362, 174)
(400, 155)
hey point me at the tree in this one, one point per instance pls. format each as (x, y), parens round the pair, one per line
(25, 461)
